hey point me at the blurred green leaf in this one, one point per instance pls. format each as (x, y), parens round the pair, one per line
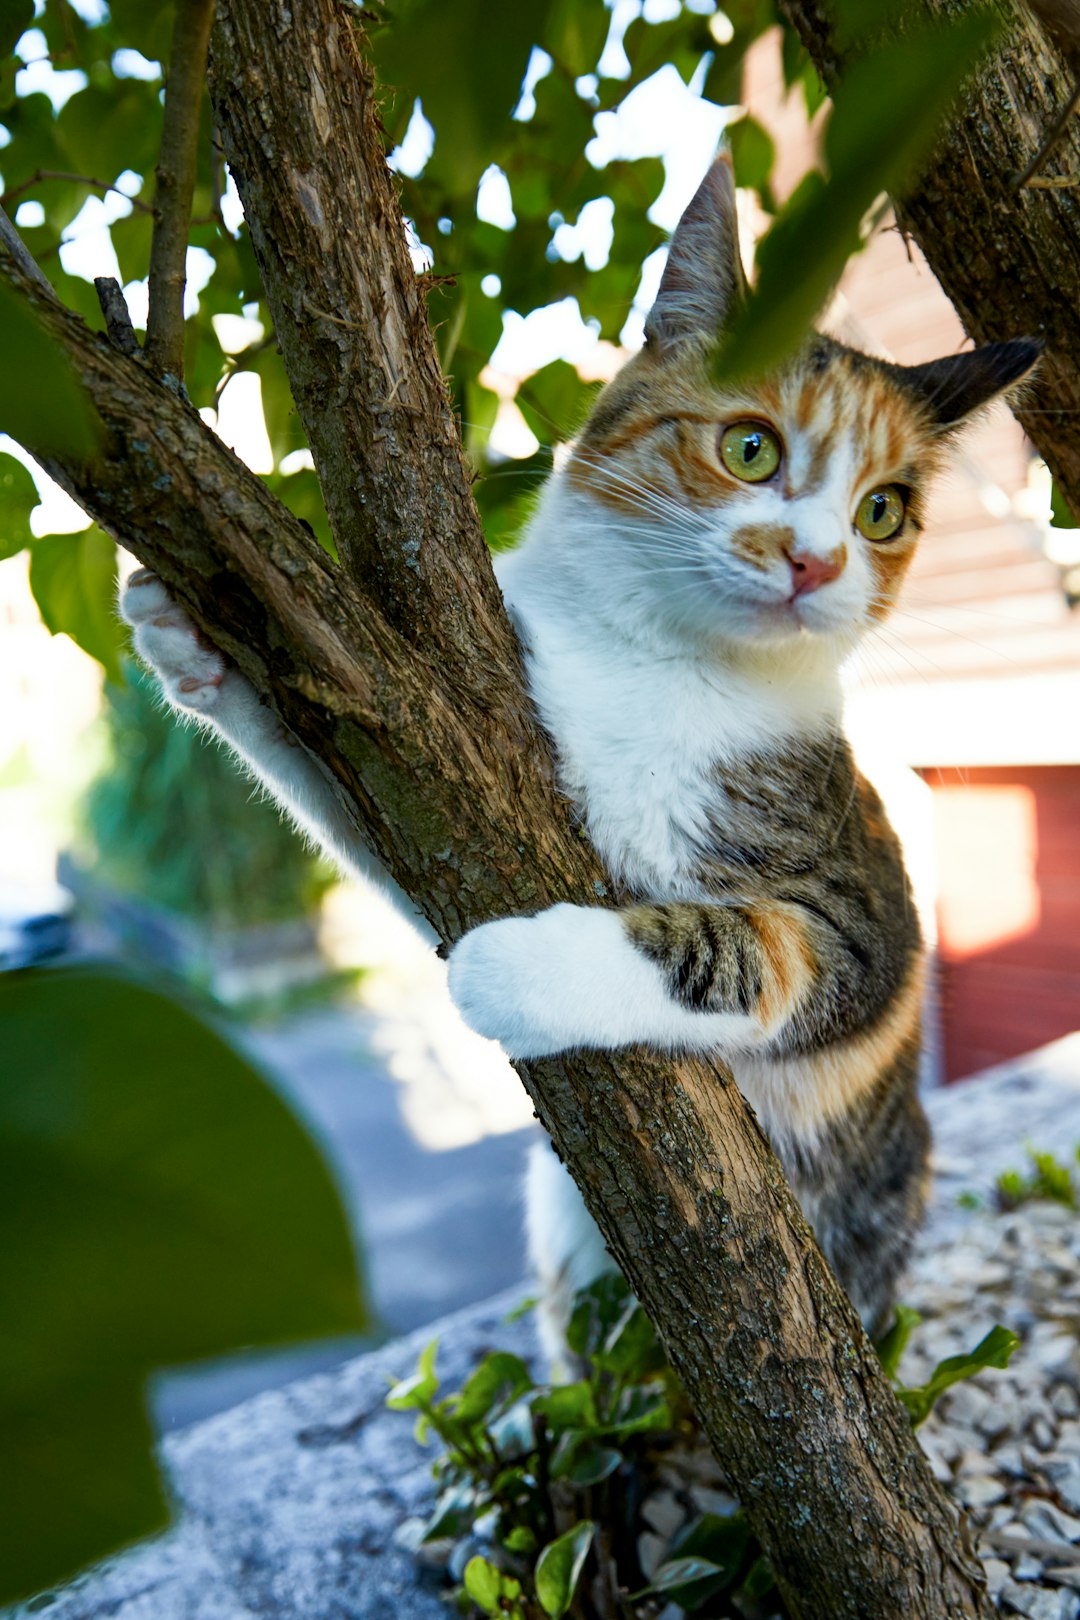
(18, 497)
(559, 1567)
(419, 1389)
(891, 1346)
(498, 1380)
(554, 401)
(139, 1231)
(994, 1350)
(73, 578)
(753, 154)
(1061, 514)
(886, 115)
(50, 411)
(16, 16)
(469, 104)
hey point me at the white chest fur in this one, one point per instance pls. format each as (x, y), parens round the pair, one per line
(640, 728)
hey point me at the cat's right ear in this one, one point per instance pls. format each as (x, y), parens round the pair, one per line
(704, 276)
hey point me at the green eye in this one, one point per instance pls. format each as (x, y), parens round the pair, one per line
(749, 451)
(881, 513)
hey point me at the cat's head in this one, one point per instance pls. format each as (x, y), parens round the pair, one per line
(784, 509)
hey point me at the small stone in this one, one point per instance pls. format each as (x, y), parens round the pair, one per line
(972, 1460)
(663, 1513)
(979, 1490)
(1035, 1603)
(1065, 1401)
(1042, 1434)
(1007, 1460)
(997, 1573)
(1028, 1568)
(709, 1501)
(968, 1405)
(1049, 1523)
(1064, 1575)
(651, 1550)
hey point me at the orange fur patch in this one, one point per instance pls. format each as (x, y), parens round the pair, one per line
(790, 964)
(817, 1088)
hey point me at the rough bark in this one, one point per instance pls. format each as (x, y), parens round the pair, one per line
(399, 670)
(1009, 259)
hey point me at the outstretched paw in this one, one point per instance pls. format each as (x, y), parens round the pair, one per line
(189, 668)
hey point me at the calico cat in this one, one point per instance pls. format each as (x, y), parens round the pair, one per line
(686, 594)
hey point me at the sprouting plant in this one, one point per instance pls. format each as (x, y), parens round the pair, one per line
(1048, 1178)
(993, 1350)
(544, 1482)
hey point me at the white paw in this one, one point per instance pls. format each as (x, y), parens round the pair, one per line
(569, 977)
(191, 671)
(545, 984)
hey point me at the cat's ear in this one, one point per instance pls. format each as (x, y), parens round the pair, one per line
(704, 276)
(959, 384)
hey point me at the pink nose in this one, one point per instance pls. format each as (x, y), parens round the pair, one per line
(810, 572)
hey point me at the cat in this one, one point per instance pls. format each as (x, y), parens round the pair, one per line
(694, 577)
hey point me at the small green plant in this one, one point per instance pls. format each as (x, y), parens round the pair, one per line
(1048, 1178)
(545, 1483)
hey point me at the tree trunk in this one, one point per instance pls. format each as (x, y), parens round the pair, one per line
(400, 672)
(1008, 259)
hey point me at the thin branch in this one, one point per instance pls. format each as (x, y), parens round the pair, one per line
(15, 192)
(175, 188)
(15, 245)
(117, 315)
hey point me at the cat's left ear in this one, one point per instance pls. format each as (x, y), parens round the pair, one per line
(959, 384)
(703, 277)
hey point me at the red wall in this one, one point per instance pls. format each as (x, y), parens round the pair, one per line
(1008, 849)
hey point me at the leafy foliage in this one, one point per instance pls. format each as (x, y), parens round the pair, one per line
(172, 818)
(548, 1479)
(1047, 1178)
(886, 113)
(139, 1231)
(520, 92)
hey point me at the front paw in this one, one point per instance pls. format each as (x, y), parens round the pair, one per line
(190, 669)
(543, 984)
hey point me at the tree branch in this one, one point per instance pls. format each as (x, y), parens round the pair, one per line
(1008, 259)
(175, 187)
(410, 694)
(39, 175)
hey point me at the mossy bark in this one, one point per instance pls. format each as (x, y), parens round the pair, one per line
(398, 669)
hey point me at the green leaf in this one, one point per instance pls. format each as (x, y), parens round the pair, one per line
(892, 1344)
(641, 1408)
(680, 1574)
(753, 154)
(559, 1567)
(631, 1349)
(722, 1539)
(454, 1512)
(496, 1383)
(18, 497)
(583, 1465)
(568, 1406)
(554, 401)
(886, 115)
(483, 1582)
(49, 412)
(16, 16)
(73, 578)
(139, 1231)
(419, 1390)
(994, 1350)
(761, 1580)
